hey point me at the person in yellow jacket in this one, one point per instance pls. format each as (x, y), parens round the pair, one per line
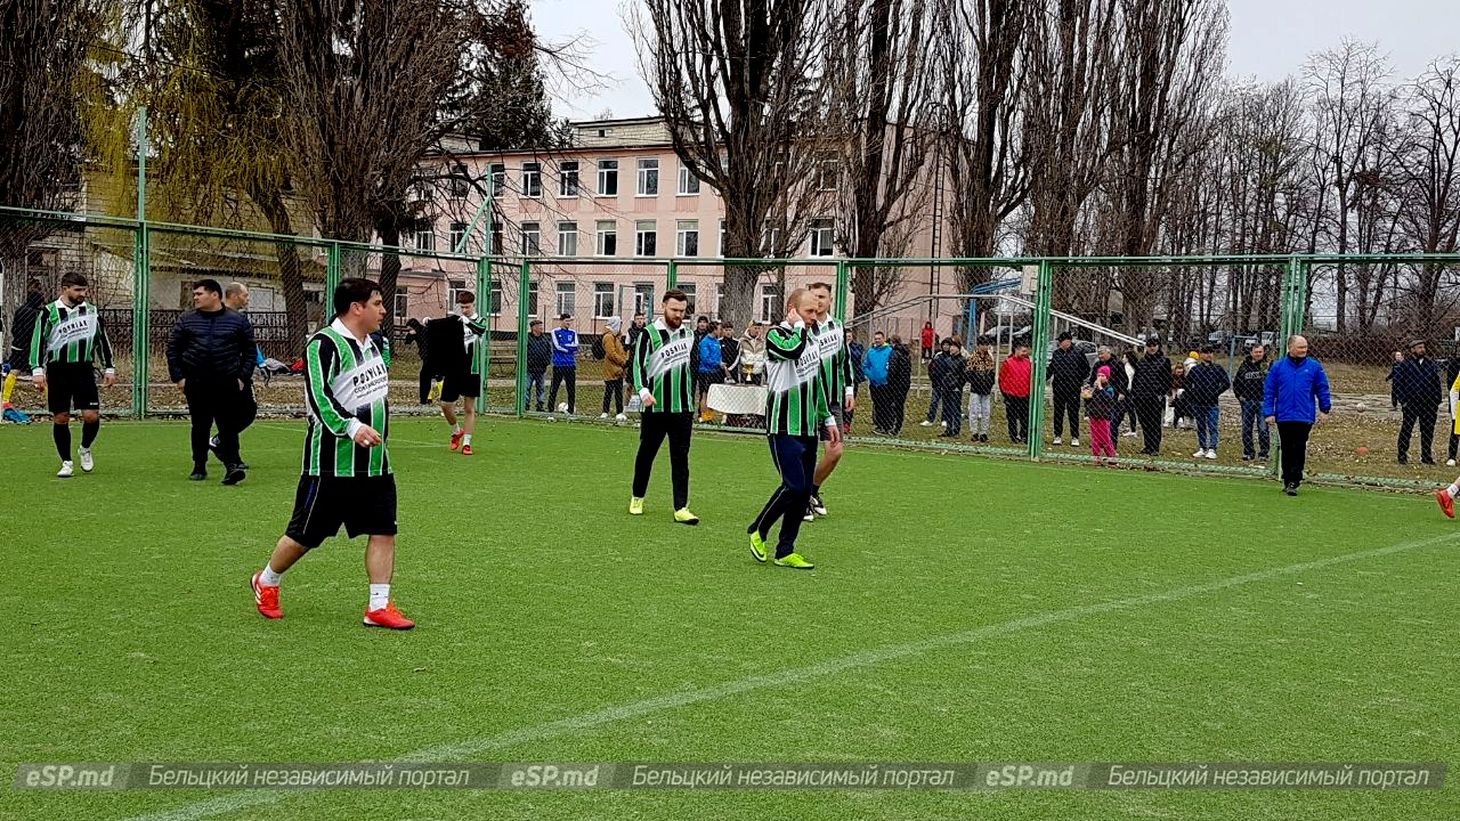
(615, 362)
(1446, 496)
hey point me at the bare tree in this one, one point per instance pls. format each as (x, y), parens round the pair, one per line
(1429, 172)
(738, 83)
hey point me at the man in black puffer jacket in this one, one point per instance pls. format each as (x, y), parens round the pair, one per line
(210, 355)
(1067, 371)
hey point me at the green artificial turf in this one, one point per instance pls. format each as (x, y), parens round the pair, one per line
(1116, 628)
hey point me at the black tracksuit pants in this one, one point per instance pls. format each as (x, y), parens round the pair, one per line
(653, 428)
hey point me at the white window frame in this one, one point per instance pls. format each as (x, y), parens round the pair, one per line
(496, 239)
(600, 237)
(643, 237)
(601, 290)
(454, 287)
(720, 298)
(689, 184)
(402, 304)
(645, 176)
(605, 167)
(531, 236)
(534, 302)
(821, 237)
(459, 182)
(429, 235)
(497, 179)
(644, 298)
(722, 237)
(566, 176)
(495, 298)
(685, 231)
(531, 180)
(766, 299)
(570, 290)
(567, 239)
(827, 171)
(691, 293)
(458, 233)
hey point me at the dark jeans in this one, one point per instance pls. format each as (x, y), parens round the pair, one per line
(1067, 406)
(653, 428)
(1016, 413)
(1252, 417)
(210, 404)
(425, 385)
(953, 411)
(899, 409)
(1425, 416)
(613, 391)
(933, 399)
(1293, 442)
(564, 376)
(883, 412)
(795, 460)
(1149, 410)
(1454, 445)
(534, 386)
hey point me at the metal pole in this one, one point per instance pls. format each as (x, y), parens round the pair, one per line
(141, 281)
(484, 350)
(331, 272)
(524, 287)
(1040, 353)
(843, 286)
(484, 208)
(1292, 323)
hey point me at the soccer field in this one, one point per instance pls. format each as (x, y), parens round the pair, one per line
(962, 610)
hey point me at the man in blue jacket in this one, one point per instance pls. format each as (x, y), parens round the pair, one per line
(565, 363)
(711, 367)
(1293, 384)
(875, 368)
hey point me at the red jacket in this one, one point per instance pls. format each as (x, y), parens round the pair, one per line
(928, 337)
(1016, 375)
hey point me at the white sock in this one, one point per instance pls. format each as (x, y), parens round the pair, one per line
(379, 596)
(1454, 490)
(466, 440)
(269, 578)
(456, 430)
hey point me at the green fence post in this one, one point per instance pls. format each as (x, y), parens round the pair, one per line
(843, 287)
(331, 273)
(141, 318)
(1040, 353)
(1295, 283)
(484, 350)
(671, 278)
(524, 287)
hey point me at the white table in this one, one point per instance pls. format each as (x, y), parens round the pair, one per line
(737, 400)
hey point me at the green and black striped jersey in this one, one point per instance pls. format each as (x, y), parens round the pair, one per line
(796, 394)
(660, 365)
(69, 334)
(836, 358)
(476, 346)
(346, 383)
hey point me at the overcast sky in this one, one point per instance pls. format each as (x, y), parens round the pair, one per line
(1269, 40)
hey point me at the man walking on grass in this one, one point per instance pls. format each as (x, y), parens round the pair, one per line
(347, 478)
(796, 412)
(236, 297)
(210, 355)
(1294, 384)
(838, 385)
(66, 338)
(464, 379)
(661, 375)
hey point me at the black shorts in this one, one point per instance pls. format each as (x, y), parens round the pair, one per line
(459, 384)
(704, 379)
(839, 413)
(365, 505)
(71, 385)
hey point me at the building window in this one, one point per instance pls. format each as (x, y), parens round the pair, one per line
(567, 239)
(568, 178)
(644, 298)
(646, 239)
(531, 239)
(722, 237)
(426, 237)
(496, 249)
(460, 181)
(689, 184)
(425, 191)
(495, 296)
(458, 233)
(531, 179)
(567, 298)
(648, 177)
(608, 178)
(454, 287)
(687, 239)
(689, 289)
(825, 175)
(770, 303)
(607, 238)
(720, 299)
(402, 306)
(532, 299)
(602, 300)
(821, 238)
(497, 172)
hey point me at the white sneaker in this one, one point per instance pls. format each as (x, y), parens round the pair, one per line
(87, 463)
(810, 517)
(603, 416)
(1059, 440)
(1200, 453)
(1211, 453)
(1074, 443)
(942, 424)
(1130, 434)
(925, 423)
(621, 418)
(66, 472)
(1449, 463)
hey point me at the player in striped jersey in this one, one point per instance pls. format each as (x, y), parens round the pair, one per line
(346, 478)
(796, 412)
(66, 339)
(660, 368)
(838, 378)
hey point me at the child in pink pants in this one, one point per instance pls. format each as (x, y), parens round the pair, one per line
(1100, 406)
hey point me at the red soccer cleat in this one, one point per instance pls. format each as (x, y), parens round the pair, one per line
(466, 450)
(456, 439)
(267, 598)
(1447, 502)
(388, 617)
